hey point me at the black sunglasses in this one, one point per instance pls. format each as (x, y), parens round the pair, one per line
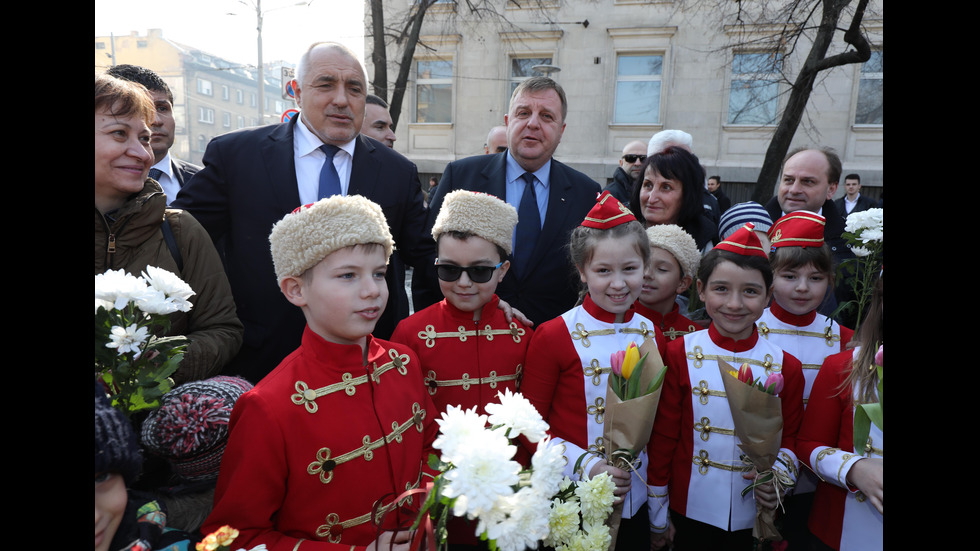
(630, 158)
(478, 274)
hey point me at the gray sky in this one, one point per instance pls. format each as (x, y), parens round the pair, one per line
(287, 29)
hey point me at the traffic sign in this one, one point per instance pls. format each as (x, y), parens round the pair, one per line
(288, 114)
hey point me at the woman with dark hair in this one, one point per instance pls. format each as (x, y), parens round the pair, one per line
(670, 191)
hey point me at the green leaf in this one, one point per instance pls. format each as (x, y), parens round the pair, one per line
(659, 380)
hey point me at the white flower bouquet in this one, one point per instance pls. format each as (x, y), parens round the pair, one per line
(135, 365)
(512, 506)
(864, 233)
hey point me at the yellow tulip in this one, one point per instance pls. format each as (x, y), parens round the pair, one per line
(632, 358)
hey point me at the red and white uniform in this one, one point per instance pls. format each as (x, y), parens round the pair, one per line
(465, 363)
(694, 452)
(566, 379)
(840, 517)
(810, 338)
(318, 441)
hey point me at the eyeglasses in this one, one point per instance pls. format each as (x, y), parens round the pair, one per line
(478, 274)
(630, 158)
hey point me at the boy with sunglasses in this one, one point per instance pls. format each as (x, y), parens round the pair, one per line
(468, 350)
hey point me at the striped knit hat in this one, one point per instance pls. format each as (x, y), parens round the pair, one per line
(190, 428)
(736, 217)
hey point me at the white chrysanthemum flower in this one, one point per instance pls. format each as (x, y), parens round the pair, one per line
(127, 339)
(526, 523)
(547, 468)
(872, 234)
(483, 473)
(516, 413)
(596, 496)
(860, 251)
(103, 303)
(563, 521)
(868, 219)
(597, 536)
(175, 289)
(119, 288)
(156, 302)
(455, 426)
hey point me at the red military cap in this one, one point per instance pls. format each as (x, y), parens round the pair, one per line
(743, 241)
(607, 213)
(798, 229)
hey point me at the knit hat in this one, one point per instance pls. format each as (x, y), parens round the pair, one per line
(190, 428)
(480, 214)
(743, 241)
(679, 243)
(116, 449)
(607, 213)
(307, 235)
(798, 229)
(737, 216)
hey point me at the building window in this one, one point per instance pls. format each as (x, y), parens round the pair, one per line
(638, 82)
(100, 45)
(280, 107)
(140, 43)
(521, 69)
(204, 87)
(205, 114)
(754, 95)
(225, 92)
(251, 99)
(226, 119)
(870, 92)
(433, 90)
(241, 121)
(240, 97)
(202, 142)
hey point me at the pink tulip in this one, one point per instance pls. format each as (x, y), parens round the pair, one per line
(879, 355)
(745, 373)
(774, 383)
(616, 360)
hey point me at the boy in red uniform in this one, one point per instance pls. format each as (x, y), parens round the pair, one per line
(322, 447)
(674, 259)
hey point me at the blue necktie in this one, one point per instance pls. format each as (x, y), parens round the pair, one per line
(329, 180)
(528, 225)
(155, 173)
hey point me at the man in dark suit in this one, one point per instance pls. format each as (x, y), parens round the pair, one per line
(542, 282)
(253, 177)
(853, 201)
(172, 173)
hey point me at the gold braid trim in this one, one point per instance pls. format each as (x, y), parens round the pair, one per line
(672, 333)
(704, 428)
(702, 392)
(306, 396)
(699, 356)
(785, 459)
(324, 465)
(334, 528)
(429, 335)
(703, 463)
(811, 366)
(843, 461)
(583, 334)
(597, 409)
(598, 448)
(870, 449)
(596, 372)
(492, 379)
(828, 335)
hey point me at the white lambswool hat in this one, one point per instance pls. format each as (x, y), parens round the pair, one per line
(307, 235)
(679, 243)
(482, 215)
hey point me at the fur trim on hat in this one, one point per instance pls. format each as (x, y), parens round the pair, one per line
(307, 235)
(482, 215)
(679, 243)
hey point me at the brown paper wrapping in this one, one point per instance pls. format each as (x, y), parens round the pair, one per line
(629, 424)
(758, 418)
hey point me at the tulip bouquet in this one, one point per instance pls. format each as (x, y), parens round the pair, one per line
(135, 365)
(480, 479)
(866, 414)
(758, 419)
(632, 396)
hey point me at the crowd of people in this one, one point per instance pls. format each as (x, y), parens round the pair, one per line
(304, 411)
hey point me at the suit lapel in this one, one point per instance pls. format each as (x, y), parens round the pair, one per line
(277, 151)
(494, 177)
(365, 169)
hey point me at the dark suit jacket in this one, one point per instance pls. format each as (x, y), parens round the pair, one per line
(550, 284)
(248, 183)
(864, 203)
(183, 171)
